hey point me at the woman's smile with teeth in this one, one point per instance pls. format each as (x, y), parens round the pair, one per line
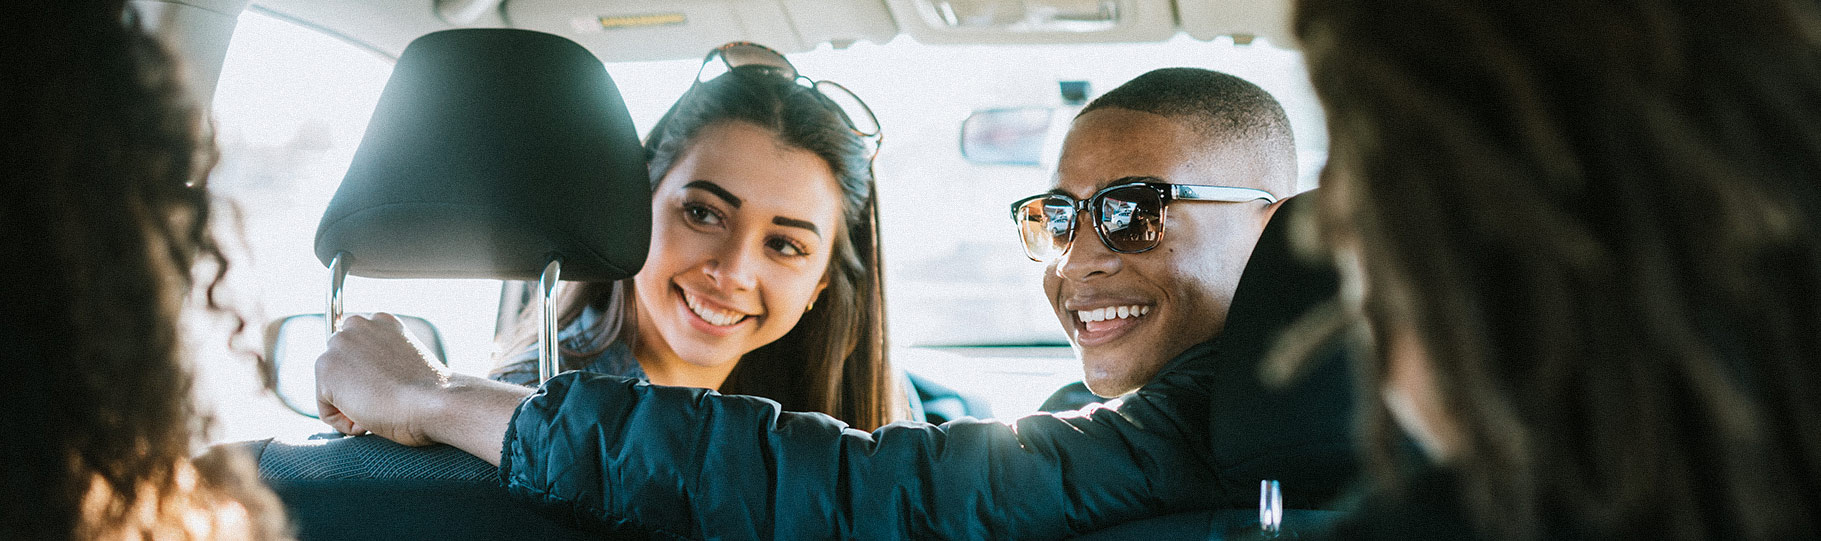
(1111, 312)
(718, 318)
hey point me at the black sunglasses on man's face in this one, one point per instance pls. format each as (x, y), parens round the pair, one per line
(1128, 216)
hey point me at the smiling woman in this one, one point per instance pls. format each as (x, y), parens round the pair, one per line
(732, 272)
(763, 277)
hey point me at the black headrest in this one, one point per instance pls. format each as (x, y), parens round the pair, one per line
(491, 150)
(1278, 286)
(1299, 434)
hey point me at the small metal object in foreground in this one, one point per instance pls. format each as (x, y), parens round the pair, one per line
(546, 333)
(1270, 508)
(338, 273)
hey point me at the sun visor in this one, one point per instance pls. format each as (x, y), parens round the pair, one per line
(490, 151)
(1242, 19)
(971, 22)
(638, 30)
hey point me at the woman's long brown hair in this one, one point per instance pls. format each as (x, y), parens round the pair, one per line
(834, 360)
(1602, 221)
(104, 216)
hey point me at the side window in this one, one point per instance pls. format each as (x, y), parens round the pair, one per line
(289, 112)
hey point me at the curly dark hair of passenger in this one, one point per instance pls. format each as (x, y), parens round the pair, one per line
(1602, 221)
(105, 215)
(1220, 107)
(834, 360)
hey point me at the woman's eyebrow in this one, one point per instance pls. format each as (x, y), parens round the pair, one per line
(715, 189)
(793, 222)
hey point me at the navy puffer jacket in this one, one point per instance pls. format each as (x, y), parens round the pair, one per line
(619, 454)
(685, 462)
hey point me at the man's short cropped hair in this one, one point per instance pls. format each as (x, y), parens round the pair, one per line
(1221, 107)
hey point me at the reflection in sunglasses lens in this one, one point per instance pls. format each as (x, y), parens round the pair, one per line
(1131, 218)
(1045, 225)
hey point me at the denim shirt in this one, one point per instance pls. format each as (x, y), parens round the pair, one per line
(582, 334)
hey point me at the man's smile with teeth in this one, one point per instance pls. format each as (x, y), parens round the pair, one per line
(1111, 312)
(719, 318)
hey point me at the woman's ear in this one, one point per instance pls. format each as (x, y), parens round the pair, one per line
(813, 297)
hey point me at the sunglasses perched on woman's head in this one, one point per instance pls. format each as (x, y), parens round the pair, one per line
(1128, 216)
(752, 58)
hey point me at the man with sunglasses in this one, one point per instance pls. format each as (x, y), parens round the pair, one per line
(1163, 187)
(1161, 193)
(1179, 171)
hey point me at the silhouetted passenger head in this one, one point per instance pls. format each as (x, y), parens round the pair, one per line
(1589, 243)
(104, 216)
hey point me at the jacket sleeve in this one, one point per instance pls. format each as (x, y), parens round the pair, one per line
(693, 463)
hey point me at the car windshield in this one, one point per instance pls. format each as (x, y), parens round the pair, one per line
(965, 304)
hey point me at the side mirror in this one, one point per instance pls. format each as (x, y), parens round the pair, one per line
(294, 342)
(1006, 136)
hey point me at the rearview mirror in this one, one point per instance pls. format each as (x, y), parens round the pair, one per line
(293, 343)
(1006, 136)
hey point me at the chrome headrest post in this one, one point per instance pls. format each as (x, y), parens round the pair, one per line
(546, 333)
(338, 273)
(1270, 508)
